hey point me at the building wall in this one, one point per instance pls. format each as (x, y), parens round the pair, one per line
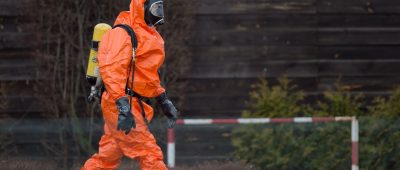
(18, 43)
(313, 42)
(236, 42)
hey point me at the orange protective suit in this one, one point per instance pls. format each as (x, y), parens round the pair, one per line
(115, 54)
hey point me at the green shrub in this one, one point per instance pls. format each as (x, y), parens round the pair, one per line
(340, 102)
(323, 145)
(276, 101)
(287, 147)
(387, 108)
(380, 134)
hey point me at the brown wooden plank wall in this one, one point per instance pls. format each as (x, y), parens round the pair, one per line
(236, 41)
(18, 42)
(312, 41)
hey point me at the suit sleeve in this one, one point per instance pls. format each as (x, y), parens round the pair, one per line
(160, 90)
(114, 58)
(147, 80)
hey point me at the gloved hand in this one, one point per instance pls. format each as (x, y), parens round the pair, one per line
(168, 108)
(125, 118)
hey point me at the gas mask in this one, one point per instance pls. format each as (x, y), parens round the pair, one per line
(154, 12)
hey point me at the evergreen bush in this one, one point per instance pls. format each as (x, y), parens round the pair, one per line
(322, 145)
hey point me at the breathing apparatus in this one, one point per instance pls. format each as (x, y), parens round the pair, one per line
(154, 12)
(92, 72)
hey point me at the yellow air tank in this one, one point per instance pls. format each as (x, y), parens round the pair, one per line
(92, 72)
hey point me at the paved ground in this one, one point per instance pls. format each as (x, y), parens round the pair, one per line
(31, 164)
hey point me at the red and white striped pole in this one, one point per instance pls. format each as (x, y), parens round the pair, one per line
(353, 120)
(354, 144)
(171, 148)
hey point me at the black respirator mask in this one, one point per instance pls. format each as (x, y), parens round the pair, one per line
(154, 12)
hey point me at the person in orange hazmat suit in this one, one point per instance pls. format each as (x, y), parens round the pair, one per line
(125, 131)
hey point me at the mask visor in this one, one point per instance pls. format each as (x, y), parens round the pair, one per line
(157, 9)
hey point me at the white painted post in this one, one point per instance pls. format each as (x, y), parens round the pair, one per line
(171, 148)
(354, 144)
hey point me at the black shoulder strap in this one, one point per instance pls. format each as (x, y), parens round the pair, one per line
(131, 33)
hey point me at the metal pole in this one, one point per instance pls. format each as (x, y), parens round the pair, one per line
(171, 148)
(354, 144)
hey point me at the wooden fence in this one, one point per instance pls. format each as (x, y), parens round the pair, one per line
(236, 41)
(314, 42)
(18, 45)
